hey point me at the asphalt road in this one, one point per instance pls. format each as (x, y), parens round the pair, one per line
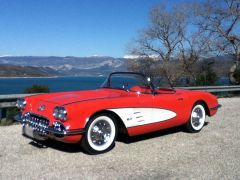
(214, 153)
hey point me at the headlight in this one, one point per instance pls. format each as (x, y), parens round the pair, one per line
(21, 104)
(60, 113)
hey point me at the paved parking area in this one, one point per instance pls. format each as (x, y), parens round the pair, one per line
(214, 153)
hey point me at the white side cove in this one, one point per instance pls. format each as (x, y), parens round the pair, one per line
(140, 116)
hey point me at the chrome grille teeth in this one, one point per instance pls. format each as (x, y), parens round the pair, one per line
(39, 124)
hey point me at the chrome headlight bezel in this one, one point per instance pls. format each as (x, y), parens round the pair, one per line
(21, 103)
(60, 113)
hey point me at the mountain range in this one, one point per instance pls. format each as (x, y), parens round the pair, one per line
(59, 66)
(9, 70)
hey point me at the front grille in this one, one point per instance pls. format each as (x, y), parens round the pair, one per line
(38, 123)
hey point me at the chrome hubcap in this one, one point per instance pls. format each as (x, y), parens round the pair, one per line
(197, 117)
(100, 133)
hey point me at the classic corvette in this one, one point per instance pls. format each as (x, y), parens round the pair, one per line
(126, 102)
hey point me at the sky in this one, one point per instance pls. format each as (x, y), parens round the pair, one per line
(72, 27)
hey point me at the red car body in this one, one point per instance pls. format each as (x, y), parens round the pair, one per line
(136, 112)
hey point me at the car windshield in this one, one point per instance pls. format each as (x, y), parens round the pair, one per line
(125, 81)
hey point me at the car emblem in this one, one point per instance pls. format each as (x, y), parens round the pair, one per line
(41, 108)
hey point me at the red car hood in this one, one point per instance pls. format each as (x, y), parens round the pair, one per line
(77, 96)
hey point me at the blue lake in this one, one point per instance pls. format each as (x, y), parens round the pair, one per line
(18, 85)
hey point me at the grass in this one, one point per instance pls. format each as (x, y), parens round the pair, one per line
(7, 122)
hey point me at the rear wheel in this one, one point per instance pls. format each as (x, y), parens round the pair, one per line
(197, 118)
(100, 134)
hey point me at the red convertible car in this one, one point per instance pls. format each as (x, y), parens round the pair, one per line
(125, 103)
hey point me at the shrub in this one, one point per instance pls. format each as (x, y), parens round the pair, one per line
(9, 120)
(207, 77)
(11, 113)
(37, 89)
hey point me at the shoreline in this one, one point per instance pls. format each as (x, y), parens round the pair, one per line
(17, 77)
(22, 77)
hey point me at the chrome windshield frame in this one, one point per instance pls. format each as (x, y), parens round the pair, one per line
(107, 82)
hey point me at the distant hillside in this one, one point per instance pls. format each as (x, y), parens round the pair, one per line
(95, 65)
(82, 66)
(7, 70)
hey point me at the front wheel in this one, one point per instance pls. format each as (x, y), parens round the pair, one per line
(100, 134)
(197, 118)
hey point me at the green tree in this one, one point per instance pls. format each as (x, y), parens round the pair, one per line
(37, 89)
(207, 77)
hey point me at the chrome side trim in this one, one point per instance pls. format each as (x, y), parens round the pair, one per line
(65, 133)
(75, 132)
(216, 108)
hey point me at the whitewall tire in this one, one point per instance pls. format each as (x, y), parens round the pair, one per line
(100, 134)
(197, 118)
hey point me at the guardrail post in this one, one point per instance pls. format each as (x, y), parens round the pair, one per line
(3, 113)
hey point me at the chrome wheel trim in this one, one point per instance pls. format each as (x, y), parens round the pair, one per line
(198, 117)
(101, 133)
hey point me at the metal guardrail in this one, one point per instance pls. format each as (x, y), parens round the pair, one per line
(7, 101)
(214, 89)
(10, 99)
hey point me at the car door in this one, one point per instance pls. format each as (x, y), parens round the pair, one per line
(169, 108)
(135, 109)
(158, 110)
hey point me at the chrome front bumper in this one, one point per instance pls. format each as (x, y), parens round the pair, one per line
(37, 127)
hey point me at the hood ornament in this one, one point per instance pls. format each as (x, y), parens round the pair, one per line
(41, 108)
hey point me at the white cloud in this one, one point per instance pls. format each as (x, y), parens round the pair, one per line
(132, 56)
(5, 55)
(128, 56)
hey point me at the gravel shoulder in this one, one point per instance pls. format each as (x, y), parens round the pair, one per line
(214, 153)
